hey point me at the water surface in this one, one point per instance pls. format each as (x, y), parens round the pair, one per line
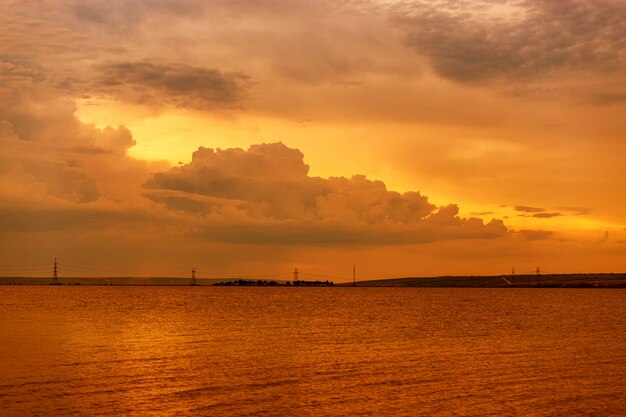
(311, 351)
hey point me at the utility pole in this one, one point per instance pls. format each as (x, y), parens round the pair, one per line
(295, 276)
(354, 275)
(193, 277)
(513, 273)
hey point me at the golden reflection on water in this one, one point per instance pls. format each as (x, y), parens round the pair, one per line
(311, 351)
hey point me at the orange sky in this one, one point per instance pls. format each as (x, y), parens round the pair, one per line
(410, 138)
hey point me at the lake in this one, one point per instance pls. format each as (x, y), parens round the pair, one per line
(284, 351)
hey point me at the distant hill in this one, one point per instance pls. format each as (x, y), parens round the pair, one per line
(548, 280)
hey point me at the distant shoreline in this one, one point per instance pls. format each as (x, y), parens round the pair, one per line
(615, 280)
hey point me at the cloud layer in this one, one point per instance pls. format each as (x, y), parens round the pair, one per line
(178, 85)
(518, 40)
(372, 81)
(263, 195)
(267, 190)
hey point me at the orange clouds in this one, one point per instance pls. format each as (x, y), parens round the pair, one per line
(82, 183)
(149, 83)
(511, 110)
(60, 174)
(267, 191)
(518, 41)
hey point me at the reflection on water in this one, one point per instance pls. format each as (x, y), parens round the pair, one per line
(311, 351)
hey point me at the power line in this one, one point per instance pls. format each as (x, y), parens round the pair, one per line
(72, 269)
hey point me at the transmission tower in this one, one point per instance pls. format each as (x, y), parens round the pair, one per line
(193, 277)
(354, 275)
(55, 273)
(295, 275)
(537, 275)
(513, 273)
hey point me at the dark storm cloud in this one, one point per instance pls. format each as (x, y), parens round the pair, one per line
(477, 42)
(265, 195)
(174, 84)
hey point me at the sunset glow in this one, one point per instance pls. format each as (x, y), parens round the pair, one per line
(410, 138)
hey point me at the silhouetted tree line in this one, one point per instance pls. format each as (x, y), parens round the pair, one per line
(241, 282)
(318, 283)
(244, 282)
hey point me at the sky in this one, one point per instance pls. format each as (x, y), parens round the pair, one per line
(408, 138)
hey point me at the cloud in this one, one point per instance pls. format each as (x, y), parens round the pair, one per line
(535, 234)
(577, 211)
(57, 173)
(264, 194)
(528, 209)
(607, 98)
(540, 213)
(72, 218)
(346, 67)
(72, 170)
(173, 84)
(61, 174)
(546, 215)
(477, 42)
(124, 14)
